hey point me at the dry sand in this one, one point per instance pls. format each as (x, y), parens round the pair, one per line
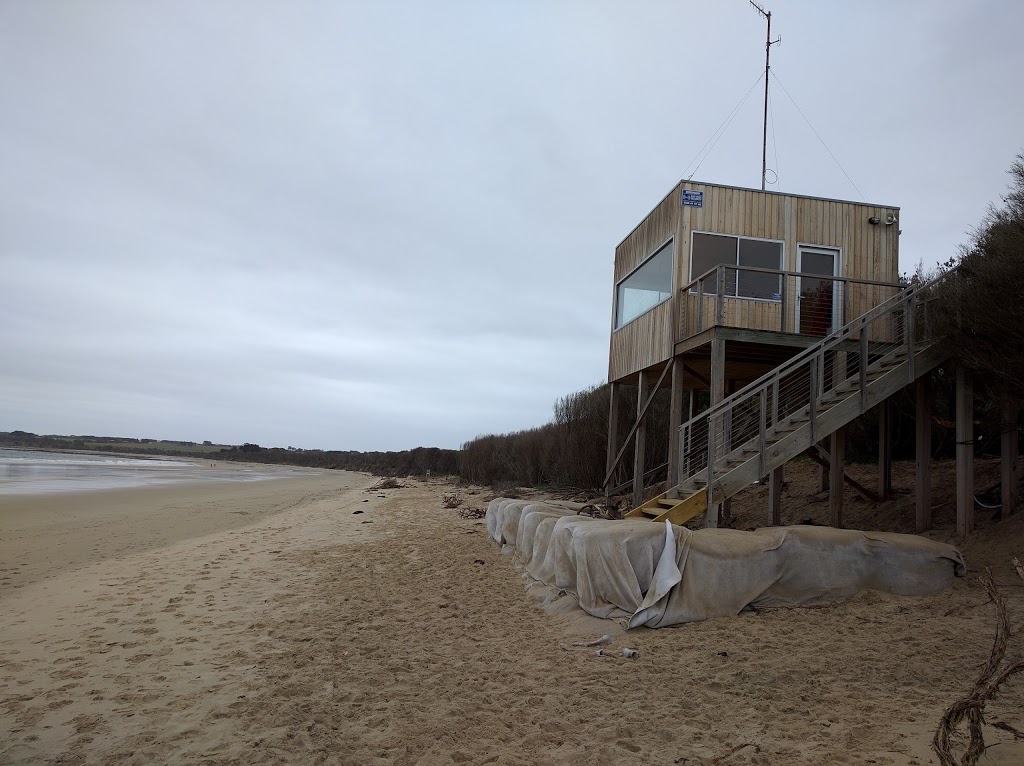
(401, 635)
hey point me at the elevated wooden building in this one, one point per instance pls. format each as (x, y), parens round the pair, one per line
(789, 312)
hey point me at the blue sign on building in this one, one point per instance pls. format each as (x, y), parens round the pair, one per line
(693, 198)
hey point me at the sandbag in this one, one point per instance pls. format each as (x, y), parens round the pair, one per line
(724, 571)
(657, 575)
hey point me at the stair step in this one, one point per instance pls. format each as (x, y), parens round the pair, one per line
(668, 502)
(700, 481)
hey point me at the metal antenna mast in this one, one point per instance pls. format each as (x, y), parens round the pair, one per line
(768, 43)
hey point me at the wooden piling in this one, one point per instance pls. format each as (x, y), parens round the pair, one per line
(964, 451)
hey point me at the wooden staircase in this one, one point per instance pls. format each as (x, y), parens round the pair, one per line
(677, 506)
(723, 447)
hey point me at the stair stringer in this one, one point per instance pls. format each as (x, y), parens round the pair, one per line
(780, 451)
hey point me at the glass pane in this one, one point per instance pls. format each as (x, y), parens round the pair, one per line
(817, 296)
(817, 263)
(709, 250)
(761, 255)
(645, 288)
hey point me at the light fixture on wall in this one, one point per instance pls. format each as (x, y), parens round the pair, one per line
(874, 220)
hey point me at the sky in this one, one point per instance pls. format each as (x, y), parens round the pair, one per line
(380, 225)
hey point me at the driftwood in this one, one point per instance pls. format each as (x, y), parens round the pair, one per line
(602, 641)
(600, 512)
(972, 707)
(453, 500)
(387, 483)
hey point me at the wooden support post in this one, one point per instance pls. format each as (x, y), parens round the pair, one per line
(725, 516)
(964, 452)
(717, 371)
(837, 465)
(923, 487)
(675, 419)
(717, 395)
(1010, 476)
(823, 478)
(639, 449)
(884, 450)
(775, 479)
(613, 432)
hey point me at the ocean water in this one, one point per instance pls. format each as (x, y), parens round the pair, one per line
(30, 472)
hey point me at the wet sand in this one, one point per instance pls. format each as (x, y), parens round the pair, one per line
(316, 634)
(43, 534)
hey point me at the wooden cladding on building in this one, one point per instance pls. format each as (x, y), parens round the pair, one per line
(865, 251)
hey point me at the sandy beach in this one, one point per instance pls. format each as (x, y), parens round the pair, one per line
(307, 620)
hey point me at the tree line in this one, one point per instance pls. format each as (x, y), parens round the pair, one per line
(411, 462)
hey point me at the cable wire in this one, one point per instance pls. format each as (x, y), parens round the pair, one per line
(838, 164)
(719, 132)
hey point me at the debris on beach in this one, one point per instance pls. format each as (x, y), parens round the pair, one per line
(602, 641)
(625, 652)
(452, 500)
(388, 483)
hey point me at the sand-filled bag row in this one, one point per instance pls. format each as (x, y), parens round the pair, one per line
(658, 575)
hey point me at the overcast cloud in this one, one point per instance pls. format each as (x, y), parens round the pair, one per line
(377, 225)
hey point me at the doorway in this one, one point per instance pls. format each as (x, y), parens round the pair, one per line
(818, 302)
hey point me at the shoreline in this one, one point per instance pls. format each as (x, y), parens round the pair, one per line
(47, 533)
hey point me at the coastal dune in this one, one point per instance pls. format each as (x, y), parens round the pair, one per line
(401, 635)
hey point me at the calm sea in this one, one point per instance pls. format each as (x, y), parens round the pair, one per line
(30, 472)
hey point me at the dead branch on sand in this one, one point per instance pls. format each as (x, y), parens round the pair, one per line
(472, 513)
(972, 707)
(600, 511)
(454, 500)
(388, 483)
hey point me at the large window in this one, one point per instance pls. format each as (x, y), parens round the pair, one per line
(645, 288)
(710, 250)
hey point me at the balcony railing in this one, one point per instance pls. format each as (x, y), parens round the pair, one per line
(781, 301)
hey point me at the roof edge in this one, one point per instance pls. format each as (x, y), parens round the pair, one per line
(690, 182)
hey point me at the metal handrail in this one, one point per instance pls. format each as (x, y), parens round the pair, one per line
(696, 295)
(848, 329)
(707, 274)
(803, 379)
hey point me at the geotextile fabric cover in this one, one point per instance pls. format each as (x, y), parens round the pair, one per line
(658, 575)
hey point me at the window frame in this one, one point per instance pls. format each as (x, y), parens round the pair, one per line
(737, 237)
(670, 242)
